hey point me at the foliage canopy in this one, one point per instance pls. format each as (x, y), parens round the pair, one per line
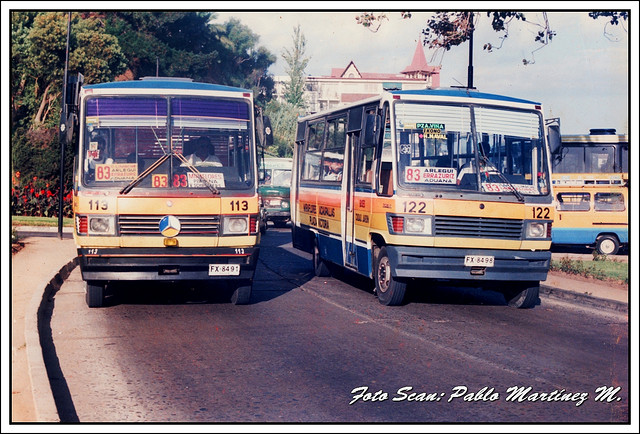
(116, 46)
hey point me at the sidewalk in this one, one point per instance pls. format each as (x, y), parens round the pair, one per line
(45, 262)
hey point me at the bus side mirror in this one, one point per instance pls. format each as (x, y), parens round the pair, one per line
(264, 132)
(267, 131)
(553, 137)
(372, 130)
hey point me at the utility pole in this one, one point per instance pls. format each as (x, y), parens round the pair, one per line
(470, 67)
(63, 133)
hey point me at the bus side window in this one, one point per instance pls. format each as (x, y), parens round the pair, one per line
(386, 179)
(574, 201)
(609, 202)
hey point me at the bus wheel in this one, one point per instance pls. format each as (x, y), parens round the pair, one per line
(389, 289)
(95, 294)
(523, 296)
(320, 267)
(241, 294)
(607, 245)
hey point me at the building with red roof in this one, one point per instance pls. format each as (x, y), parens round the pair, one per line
(347, 85)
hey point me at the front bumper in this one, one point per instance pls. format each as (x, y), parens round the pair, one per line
(275, 214)
(448, 263)
(189, 263)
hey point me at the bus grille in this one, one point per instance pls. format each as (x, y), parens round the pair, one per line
(148, 224)
(478, 227)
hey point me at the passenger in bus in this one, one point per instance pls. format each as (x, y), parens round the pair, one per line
(98, 153)
(203, 154)
(333, 169)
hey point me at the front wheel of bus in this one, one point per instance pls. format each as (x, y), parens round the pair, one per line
(320, 267)
(95, 294)
(241, 294)
(390, 290)
(523, 296)
(607, 245)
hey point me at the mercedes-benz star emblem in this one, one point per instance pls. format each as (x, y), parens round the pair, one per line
(169, 226)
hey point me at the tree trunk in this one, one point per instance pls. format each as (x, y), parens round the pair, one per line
(39, 118)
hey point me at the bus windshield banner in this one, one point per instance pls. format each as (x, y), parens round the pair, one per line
(430, 175)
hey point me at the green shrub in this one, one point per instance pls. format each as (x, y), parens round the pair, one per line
(601, 269)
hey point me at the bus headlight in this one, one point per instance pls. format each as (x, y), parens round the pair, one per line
(536, 230)
(101, 225)
(417, 225)
(235, 225)
(285, 204)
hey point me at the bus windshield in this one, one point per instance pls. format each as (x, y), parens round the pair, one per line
(175, 142)
(487, 149)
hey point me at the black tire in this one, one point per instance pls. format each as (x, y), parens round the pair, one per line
(524, 295)
(390, 290)
(607, 245)
(95, 294)
(320, 267)
(241, 294)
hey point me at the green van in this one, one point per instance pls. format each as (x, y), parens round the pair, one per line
(274, 190)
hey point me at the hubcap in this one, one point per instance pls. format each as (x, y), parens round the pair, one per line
(383, 274)
(607, 247)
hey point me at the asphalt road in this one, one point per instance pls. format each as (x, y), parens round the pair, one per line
(310, 349)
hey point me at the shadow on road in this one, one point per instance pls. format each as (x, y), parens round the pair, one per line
(279, 271)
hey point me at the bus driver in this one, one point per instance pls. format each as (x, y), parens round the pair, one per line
(201, 155)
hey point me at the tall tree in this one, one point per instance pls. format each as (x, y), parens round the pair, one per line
(107, 46)
(188, 44)
(246, 64)
(284, 121)
(296, 65)
(38, 42)
(284, 115)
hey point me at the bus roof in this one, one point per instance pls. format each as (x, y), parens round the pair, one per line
(441, 93)
(461, 93)
(164, 83)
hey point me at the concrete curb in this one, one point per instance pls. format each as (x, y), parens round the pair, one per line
(45, 406)
(564, 294)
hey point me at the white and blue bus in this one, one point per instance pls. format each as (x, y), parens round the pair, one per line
(427, 184)
(591, 186)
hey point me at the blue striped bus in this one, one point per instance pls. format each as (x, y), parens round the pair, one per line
(165, 185)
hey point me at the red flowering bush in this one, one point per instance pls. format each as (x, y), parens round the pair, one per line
(36, 198)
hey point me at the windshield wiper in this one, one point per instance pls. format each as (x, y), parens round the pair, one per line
(144, 174)
(192, 168)
(501, 175)
(161, 160)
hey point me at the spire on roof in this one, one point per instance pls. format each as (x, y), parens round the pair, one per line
(419, 64)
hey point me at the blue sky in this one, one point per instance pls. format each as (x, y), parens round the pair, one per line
(582, 76)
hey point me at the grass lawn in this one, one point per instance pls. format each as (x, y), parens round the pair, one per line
(602, 269)
(40, 221)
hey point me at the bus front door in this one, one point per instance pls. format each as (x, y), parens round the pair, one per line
(348, 222)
